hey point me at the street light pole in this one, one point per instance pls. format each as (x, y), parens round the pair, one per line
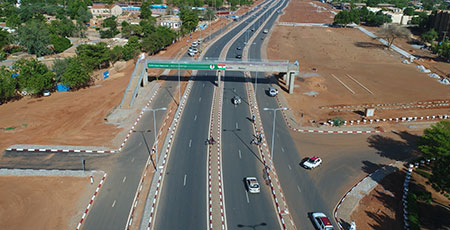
(154, 130)
(273, 130)
(179, 86)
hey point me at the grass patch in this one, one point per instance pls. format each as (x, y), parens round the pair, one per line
(10, 128)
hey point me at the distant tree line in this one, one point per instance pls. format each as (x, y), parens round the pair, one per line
(362, 15)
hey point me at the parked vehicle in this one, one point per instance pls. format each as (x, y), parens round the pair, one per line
(191, 54)
(238, 56)
(252, 184)
(265, 31)
(46, 93)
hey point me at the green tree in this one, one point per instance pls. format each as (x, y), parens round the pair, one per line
(436, 143)
(146, 13)
(132, 48)
(111, 24)
(408, 11)
(77, 75)
(342, 18)
(59, 67)
(94, 56)
(33, 77)
(35, 37)
(117, 53)
(7, 84)
(4, 38)
(63, 27)
(59, 43)
(189, 20)
(429, 36)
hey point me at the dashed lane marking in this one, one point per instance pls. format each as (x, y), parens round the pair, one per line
(298, 188)
(282, 149)
(289, 166)
(195, 117)
(246, 194)
(199, 99)
(124, 179)
(240, 156)
(190, 143)
(184, 182)
(114, 204)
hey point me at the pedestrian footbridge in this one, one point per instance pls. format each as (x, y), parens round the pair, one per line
(287, 69)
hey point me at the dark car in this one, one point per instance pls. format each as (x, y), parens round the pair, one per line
(238, 56)
(238, 48)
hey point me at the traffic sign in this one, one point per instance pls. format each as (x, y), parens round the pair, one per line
(161, 65)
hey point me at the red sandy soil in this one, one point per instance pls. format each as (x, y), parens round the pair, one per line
(304, 12)
(383, 206)
(341, 51)
(40, 202)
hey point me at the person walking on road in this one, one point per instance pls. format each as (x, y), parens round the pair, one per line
(253, 118)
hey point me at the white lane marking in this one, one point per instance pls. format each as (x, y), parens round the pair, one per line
(124, 179)
(132, 159)
(298, 188)
(246, 194)
(190, 142)
(203, 84)
(195, 118)
(237, 125)
(199, 99)
(114, 203)
(278, 136)
(140, 143)
(184, 183)
(289, 166)
(360, 84)
(240, 156)
(282, 149)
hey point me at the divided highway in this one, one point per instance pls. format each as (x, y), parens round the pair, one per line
(183, 198)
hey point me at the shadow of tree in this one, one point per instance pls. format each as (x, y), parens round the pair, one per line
(369, 45)
(390, 197)
(395, 149)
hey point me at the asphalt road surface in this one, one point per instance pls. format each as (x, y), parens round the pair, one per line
(113, 204)
(183, 198)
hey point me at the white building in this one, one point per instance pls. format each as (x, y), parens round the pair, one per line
(170, 21)
(98, 9)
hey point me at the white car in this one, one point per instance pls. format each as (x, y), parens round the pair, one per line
(321, 221)
(312, 162)
(193, 50)
(191, 54)
(273, 91)
(46, 93)
(252, 184)
(194, 44)
(236, 100)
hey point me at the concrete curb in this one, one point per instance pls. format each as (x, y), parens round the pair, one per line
(91, 202)
(70, 148)
(158, 178)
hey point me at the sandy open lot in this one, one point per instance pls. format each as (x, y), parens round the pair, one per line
(343, 66)
(42, 202)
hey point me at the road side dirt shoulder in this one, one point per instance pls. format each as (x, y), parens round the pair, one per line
(382, 208)
(42, 202)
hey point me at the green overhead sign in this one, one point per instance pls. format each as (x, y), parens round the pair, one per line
(158, 65)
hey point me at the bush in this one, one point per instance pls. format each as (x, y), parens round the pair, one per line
(413, 212)
(338, 121)
(423, 173)
(59, 43)
(424, 196)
